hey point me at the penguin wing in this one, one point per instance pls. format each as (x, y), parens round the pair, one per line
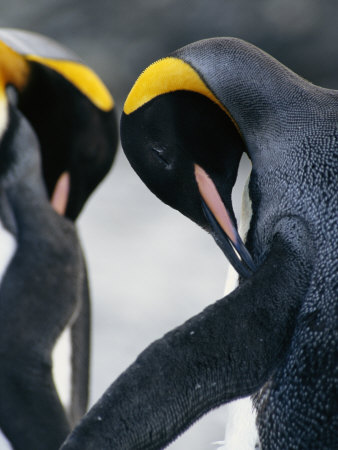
(40, 292)
(234, 346)
(226, 352)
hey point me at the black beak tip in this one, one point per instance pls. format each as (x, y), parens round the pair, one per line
(236, 252)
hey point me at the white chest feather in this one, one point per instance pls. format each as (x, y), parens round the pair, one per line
(240, 426)
(8, 248)
(3, 112)
(62, 371)
(240, 418)
(7, 251)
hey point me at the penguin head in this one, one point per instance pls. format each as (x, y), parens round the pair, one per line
(69, 108)
(186, 148)
(190, 116)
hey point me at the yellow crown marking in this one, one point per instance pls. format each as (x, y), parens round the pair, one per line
(13, 69)
(164, 76)
(82, 77)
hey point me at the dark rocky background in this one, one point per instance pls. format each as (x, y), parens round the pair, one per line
(150, 268)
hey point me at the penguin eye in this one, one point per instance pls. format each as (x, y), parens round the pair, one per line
(158, 152)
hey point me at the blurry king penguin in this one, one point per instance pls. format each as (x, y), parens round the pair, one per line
(58, 138)
(186, 123)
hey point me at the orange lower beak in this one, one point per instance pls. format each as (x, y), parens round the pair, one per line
(60, 195)
(225, 232)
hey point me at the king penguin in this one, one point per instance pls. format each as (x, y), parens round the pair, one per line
(58, 138)
(186, 122)
(69, 108)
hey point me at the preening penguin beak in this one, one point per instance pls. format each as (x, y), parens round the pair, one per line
(225, 232)
(172, 108)
(60, 195)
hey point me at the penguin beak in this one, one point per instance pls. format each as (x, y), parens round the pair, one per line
(225, 232)
(60, 194)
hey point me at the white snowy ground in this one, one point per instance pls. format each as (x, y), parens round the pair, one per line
(150, 270)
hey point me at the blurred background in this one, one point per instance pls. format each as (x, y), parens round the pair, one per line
(150, 268)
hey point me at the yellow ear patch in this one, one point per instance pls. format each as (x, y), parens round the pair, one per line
(164, 76)
(13, 69)
(82, 77)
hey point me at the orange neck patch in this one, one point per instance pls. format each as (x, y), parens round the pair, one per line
(13, 68)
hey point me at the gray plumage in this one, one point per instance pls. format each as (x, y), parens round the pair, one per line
(276, 335)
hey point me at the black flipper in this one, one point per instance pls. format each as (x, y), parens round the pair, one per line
(227, 351)
(38, 296)
(80, 335)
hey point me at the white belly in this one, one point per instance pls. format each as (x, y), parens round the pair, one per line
(3, 117)
(240, 417)
(8, 248)
(62, 372)
(4, 444)
(240, 427)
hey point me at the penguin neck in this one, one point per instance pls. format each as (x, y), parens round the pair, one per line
(255, 89)
(21, 174)
(243, 227)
